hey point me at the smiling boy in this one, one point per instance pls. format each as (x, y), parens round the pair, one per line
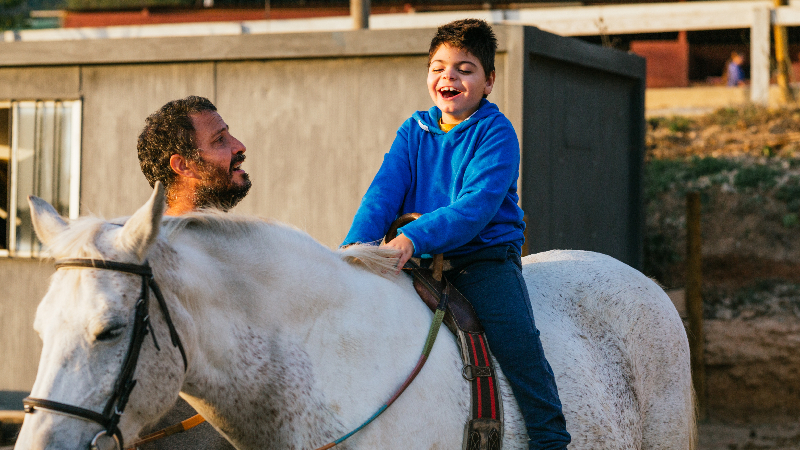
(458, 165)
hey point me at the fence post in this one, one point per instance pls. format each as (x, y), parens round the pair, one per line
(782, 58)
(759, 55)
(694, 300)
(359, 11)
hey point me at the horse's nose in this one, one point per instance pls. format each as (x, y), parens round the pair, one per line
(46, 434)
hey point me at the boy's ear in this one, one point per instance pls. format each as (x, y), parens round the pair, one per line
(183, 167)
(489, 84)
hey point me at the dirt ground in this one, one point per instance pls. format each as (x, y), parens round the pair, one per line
(731, 436)
(746, 165)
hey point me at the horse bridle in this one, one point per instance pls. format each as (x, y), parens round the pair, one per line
(111, 436)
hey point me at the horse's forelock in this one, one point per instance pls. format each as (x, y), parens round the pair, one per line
(78, 240)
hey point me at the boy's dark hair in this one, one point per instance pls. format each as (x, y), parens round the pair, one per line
(473, 35)
(167, 132)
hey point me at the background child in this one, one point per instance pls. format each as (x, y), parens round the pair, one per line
(458, 165)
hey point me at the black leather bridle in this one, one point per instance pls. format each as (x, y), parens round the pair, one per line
(111, 436)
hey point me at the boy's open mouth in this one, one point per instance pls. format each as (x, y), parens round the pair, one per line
(449, 92)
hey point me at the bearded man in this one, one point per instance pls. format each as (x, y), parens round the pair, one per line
(188, 147)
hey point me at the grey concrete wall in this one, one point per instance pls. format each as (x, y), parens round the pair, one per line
(20, 83)
(23, 282)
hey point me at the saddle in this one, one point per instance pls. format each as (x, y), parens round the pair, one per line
(484, 427)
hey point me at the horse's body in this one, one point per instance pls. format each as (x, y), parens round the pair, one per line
(290, 347)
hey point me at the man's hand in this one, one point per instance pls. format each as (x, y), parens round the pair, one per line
(405, 247)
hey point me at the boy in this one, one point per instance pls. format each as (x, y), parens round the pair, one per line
(458, 165)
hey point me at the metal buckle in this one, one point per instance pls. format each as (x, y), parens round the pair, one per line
(470, 371)
(102, 441)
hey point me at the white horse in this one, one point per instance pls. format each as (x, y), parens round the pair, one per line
(291, 345)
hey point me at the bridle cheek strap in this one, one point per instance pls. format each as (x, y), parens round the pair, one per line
(109, 419)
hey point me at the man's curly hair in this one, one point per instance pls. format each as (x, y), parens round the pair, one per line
(472, 35)
(167, 132)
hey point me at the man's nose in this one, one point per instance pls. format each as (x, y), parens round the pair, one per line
(238, 146)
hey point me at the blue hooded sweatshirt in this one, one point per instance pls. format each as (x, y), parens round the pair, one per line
(464, 182)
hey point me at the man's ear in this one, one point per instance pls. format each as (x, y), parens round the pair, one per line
(183, 167)
(489, 84)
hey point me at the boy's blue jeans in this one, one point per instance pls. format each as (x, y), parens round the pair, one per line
(491, 279)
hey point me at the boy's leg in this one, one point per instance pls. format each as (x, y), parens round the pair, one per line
(497, 291)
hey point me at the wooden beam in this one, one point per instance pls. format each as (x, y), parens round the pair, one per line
(642, 18)
(359, 12)
(787, 16)
(759, 55)
(10, 416)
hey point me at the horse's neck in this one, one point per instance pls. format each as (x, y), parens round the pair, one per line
(285, 338)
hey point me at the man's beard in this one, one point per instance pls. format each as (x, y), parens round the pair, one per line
(218, 190)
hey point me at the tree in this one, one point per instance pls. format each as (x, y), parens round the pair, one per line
(13, 14)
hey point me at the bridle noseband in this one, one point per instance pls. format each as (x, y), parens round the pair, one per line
(111, 436)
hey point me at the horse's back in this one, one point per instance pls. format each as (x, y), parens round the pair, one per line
(618, 349)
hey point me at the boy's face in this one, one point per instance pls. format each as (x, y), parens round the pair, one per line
(457, 83)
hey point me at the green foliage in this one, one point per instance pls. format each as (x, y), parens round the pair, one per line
(679, 124)
(659, 256)
(675, 124)
(741, 117)
(710, 166)
(9, 4)
(661, 174)
(13, 14)
(789, 192)
(724, 116)
(790, 220)
(655, 122)
(12, 21)
(755, 176)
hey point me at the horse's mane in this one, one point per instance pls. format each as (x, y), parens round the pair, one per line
(79, 239)
(379, 260)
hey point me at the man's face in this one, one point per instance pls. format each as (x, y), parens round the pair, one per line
(223, 182)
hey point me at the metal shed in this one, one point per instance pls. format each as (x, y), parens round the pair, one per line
(317, 112)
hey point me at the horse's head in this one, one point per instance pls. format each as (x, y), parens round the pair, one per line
(88, 323)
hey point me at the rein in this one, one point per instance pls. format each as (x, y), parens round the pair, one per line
(111, 436)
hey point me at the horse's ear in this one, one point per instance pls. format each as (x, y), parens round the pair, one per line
(46, 221)
(141, 230)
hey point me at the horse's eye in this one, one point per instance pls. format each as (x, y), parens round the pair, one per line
(110, 333)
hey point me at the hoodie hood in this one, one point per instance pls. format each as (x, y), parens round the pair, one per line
(429, 120)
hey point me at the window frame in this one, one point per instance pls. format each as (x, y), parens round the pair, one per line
(76, 105)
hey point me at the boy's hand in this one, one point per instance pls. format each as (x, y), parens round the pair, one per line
(405, 247)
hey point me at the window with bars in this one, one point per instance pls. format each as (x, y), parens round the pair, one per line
(39, 155)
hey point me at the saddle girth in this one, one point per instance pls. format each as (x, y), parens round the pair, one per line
(484, 428)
